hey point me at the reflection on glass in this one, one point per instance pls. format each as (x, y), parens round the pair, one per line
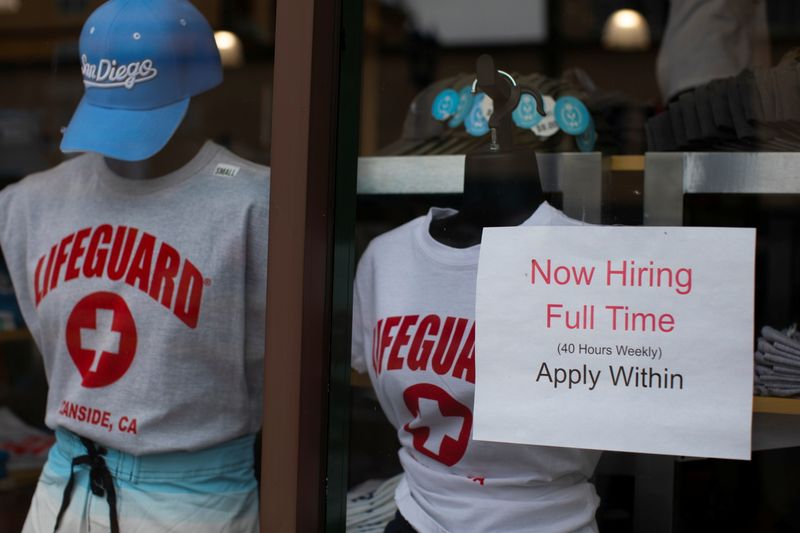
(133, 227)
(680, 77)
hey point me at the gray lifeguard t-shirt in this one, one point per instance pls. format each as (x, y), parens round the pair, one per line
(145, 297)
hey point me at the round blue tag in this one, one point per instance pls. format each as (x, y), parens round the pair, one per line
(571, 115)
(445, 104)
(476, 122)
(525, 115)
(587, 139)
(465, 98)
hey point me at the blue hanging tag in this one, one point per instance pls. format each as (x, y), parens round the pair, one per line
(477, 121)
(525, 115)
(445, 104)
(465, 98)
(571, 115)
(587, 139)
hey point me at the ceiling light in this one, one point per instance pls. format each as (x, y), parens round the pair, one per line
(230, 49)
(626, 29)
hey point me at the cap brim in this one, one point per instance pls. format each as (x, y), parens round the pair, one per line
(122, 133)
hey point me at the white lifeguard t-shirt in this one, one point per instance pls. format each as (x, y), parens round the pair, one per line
(414, 333)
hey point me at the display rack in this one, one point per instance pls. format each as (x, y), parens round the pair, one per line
(778, 406)
(578, 176)
(670, 176)
(626, 163)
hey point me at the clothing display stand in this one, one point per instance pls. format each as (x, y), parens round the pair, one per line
(399, 182)
(669, 177)
(578, 176)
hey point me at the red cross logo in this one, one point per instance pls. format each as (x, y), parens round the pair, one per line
(101, 338)
(441, 427)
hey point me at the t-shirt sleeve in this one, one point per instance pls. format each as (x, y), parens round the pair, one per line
(361, 310)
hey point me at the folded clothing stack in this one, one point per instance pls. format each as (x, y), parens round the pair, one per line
(26, 446)
(777, 369)
(758, 110)
(371, 505)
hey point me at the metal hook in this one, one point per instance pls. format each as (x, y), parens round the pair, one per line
(537, 96)
(502, 72)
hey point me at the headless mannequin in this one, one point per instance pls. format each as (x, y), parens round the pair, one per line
(509, 201)
(181, 148)
(501, 181)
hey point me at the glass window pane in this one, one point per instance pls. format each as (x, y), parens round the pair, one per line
(654, 113)
(134, 198)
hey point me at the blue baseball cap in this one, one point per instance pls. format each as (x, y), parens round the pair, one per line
(141, 61)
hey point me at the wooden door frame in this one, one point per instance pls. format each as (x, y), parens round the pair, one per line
(312, 216)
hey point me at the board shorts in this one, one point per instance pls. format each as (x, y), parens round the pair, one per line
(213, 490)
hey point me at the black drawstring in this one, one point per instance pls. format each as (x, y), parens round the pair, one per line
(100, 481)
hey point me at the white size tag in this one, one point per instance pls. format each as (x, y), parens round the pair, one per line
(548, 126)
(226, 170)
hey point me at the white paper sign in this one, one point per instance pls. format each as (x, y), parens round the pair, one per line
(616, 338)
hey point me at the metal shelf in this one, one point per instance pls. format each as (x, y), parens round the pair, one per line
(669, 176)
(578, 176)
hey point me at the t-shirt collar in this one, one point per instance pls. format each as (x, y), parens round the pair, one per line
(146, 186)
(545, 215)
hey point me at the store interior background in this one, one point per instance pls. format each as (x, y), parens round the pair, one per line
(408, 45)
